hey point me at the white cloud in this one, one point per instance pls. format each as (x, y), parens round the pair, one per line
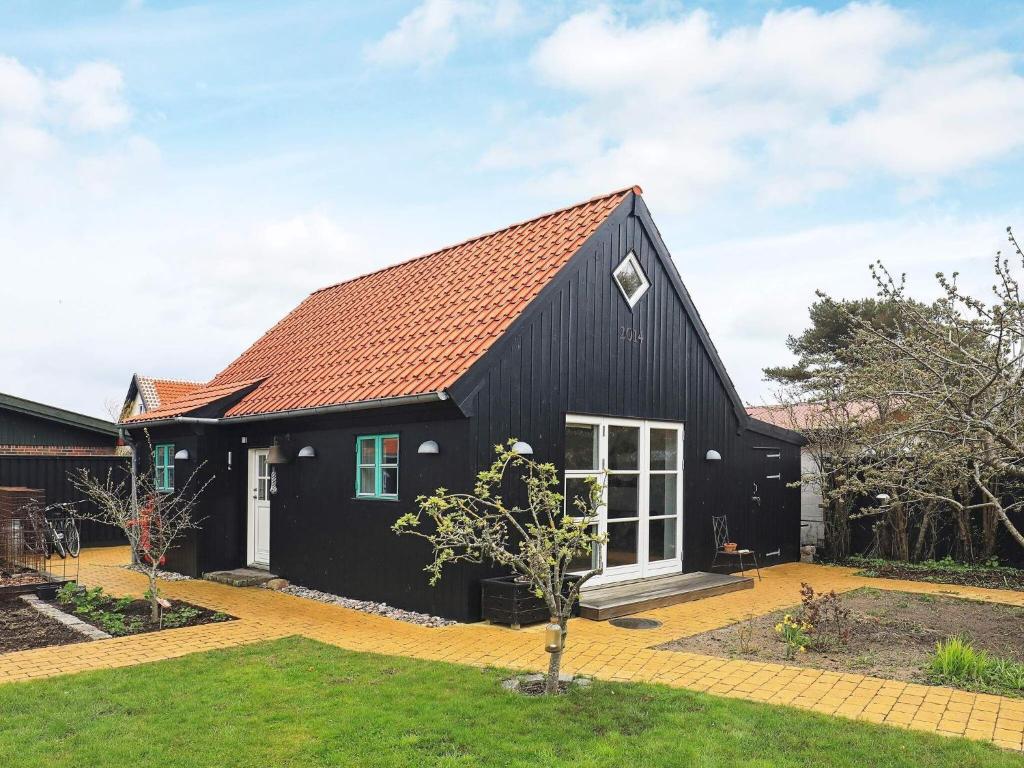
(775, 278)
(801, 102)
(90, 98)
(433, 29)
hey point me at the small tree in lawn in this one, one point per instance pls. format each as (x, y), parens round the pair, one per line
(540, 541)
(152, 519)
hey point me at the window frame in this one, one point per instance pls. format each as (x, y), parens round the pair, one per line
(633, 261)
(378, 466)
(165, 468)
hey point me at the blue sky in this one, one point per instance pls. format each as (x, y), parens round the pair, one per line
(174, 177)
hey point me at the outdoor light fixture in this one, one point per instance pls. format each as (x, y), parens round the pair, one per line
(182, 455)
(276, 454)
(883, 497)
(713, 455)
(523, 449)
(553, 637)
(428, 446)
(307, 452)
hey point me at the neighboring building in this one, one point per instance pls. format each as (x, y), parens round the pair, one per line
(146, 393)
(40, 445)
(572, 332)
(28, 428)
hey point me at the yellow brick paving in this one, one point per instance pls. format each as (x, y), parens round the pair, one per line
(595, 648)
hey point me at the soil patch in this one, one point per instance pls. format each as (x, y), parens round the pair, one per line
(893, 634)
(23, 627)
(124, 616)
(937, 573)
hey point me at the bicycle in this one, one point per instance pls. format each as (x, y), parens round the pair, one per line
(62, 537)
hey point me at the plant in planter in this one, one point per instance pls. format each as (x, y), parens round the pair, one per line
(541, 540)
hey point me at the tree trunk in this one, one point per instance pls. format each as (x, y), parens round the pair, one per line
(154, 606)
(555, 662)
(989, 527)
(1008, 524)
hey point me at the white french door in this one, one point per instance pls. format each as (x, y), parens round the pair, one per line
(640, 466)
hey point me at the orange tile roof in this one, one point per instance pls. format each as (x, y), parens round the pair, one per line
(806, 417)
(197, 398)
(157, 393)
(409, 329)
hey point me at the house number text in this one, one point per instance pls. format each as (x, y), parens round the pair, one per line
(634, 335)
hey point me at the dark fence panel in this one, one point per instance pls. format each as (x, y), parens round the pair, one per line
(51, 473)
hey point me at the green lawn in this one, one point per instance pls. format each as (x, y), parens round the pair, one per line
(296, 702)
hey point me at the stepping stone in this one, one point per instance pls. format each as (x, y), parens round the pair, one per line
(240, 577)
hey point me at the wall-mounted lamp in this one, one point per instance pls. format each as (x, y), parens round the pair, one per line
(523, 449)
(307, 452)
(883, 497)
(712, 455)
(182, 455)
(277, 454)
(428, 446)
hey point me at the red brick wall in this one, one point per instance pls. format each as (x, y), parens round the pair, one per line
(56, 450)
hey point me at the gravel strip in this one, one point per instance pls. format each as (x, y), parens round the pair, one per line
(69, 621)
(366, 606)
(164, 575)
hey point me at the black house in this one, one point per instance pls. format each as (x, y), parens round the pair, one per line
(572, 332)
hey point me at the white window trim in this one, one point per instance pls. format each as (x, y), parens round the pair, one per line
(631, 259)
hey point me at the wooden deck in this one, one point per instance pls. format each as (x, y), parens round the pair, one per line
(613, 600)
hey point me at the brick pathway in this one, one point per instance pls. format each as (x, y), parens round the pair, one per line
(594, 648)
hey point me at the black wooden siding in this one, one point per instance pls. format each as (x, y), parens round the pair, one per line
(23, 429)
(563, 355)
(566, 355)
(52, 474)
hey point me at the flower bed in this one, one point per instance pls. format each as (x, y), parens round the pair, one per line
(131, 616)
(885, 634)
(23, 627)
(941, 572)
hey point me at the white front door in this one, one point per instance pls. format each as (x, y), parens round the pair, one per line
(258, 555)
(640, 464)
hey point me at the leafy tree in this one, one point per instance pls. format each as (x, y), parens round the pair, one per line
(951, 377)
(824, 346)
(541, 541)
(152, 519)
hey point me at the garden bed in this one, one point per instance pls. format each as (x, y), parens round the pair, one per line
(23, 627)
(891, 635)
(942, 572)
(120, 616)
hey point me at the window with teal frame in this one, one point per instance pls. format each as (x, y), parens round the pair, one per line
(163, 466)
(377, 467)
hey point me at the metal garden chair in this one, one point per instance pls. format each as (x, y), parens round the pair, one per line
(721, 528)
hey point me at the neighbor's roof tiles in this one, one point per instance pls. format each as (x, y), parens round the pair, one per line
(409, 329)
(160, 392)
(202, 396)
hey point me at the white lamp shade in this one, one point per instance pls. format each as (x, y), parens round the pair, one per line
(307, 452)
(182, 455)
(713, 455)
(523, 449)
(883, 497)
(428, 446)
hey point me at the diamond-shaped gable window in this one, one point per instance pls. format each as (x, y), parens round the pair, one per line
(631, 279)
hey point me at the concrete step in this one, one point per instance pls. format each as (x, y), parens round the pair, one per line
(240, 577)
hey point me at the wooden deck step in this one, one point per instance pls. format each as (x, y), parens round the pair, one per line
(614, 600)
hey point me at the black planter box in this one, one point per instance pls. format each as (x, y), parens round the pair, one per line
(503, 600)
(45, 590)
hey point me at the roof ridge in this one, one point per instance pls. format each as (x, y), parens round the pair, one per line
(633, 188)
(173, 381)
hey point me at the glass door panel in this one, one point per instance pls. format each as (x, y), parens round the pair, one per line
(639, 465)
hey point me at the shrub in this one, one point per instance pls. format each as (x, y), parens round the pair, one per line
(827, 615)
